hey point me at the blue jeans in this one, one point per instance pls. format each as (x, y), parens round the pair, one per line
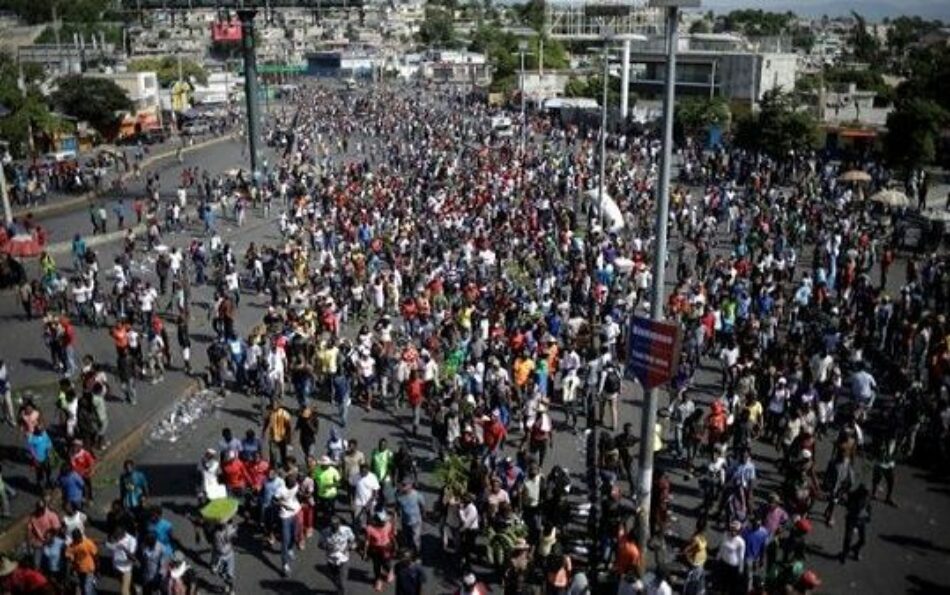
(344, 408)
(288, 530)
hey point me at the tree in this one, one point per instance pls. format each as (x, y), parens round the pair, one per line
(438, 28)
(531, 14)
(778, 128)
(756, 23)
(694, 115)
(864, 46)
(700, 26)
(94, 100)
(913, 130)
(27, 106)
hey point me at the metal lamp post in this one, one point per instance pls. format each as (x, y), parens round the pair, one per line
(250, 86)
(522, 49)
(647, 429)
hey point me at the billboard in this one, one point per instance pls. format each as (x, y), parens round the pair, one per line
(226, 32)
(653, 350)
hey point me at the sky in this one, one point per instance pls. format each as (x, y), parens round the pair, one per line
(872, 9)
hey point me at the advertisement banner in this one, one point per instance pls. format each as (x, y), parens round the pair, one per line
(653, 350)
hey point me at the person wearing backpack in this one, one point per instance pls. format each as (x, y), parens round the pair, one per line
(609, 393)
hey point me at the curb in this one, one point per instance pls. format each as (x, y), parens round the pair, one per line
(66, 246)
(81, 200)
(11, 539)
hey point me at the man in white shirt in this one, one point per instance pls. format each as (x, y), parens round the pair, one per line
(732, 556)
(365, 489)
(468, 516)
(338, 543)
(285, 498)
(122, 546)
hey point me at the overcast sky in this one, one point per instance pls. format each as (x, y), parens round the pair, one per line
(873, 9)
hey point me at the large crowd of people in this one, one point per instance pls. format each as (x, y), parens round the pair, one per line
(429, 268)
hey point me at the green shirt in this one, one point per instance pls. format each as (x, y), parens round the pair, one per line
(328, 480)
(382, 461)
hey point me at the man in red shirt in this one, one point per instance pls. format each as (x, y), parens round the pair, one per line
(84, 463)
(415, 393)
(493, 435)
(257, 469)
(236, 477)
(20, 580)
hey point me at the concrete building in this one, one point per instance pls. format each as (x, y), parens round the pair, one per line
(142, 87)
(713, 65)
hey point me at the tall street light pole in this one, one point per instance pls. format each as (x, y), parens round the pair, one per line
(251, 94)
(648, 427)
(522, 48)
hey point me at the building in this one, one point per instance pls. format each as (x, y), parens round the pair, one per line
(713, 65)
(446, 67)
(142, 88)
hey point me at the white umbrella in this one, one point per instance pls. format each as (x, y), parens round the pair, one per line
(891, 198)
(855, 175)
(610, 212)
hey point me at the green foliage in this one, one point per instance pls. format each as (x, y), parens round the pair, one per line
(40, 11)
(928, 76)
(778, 128)
(452, 473)
(112, 33)
(864, 46)
(756, 23)
(906, 30)
(593, 88)
(803, 39)
(94, 100)
(913, 130)
(166, 68)
(700, 26)
(693, 115)
(531, 14)
(438, 28)
(26, 109)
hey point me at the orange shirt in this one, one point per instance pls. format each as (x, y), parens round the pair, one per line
(628, 556)
(83, 555)
(522, 370)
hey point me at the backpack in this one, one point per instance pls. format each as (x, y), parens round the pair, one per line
(612, 381)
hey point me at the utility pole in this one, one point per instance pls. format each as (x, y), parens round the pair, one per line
(5, 196)
(251, 95)
(522, 48)
(602, 160)
(648, 427)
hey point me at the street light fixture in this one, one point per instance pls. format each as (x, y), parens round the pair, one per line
(672, 8)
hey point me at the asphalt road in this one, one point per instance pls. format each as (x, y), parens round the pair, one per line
(908, 547)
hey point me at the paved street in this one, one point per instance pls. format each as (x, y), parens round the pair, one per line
(908, 546)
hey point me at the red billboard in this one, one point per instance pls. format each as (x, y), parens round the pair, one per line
(226, 32)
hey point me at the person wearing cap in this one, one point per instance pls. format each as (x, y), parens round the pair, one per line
(380, 546)
(18, 579)
(472, 586)
(327, 477)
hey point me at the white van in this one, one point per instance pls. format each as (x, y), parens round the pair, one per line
(501, 126)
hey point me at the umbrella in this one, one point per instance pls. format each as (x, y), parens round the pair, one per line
(855, 175)
(891, 198)
(937, 215)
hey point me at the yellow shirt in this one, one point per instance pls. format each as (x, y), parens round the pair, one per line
(755, 413)
(522, 370)
(328, 479)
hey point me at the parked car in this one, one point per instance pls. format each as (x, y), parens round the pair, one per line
(194, 128)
